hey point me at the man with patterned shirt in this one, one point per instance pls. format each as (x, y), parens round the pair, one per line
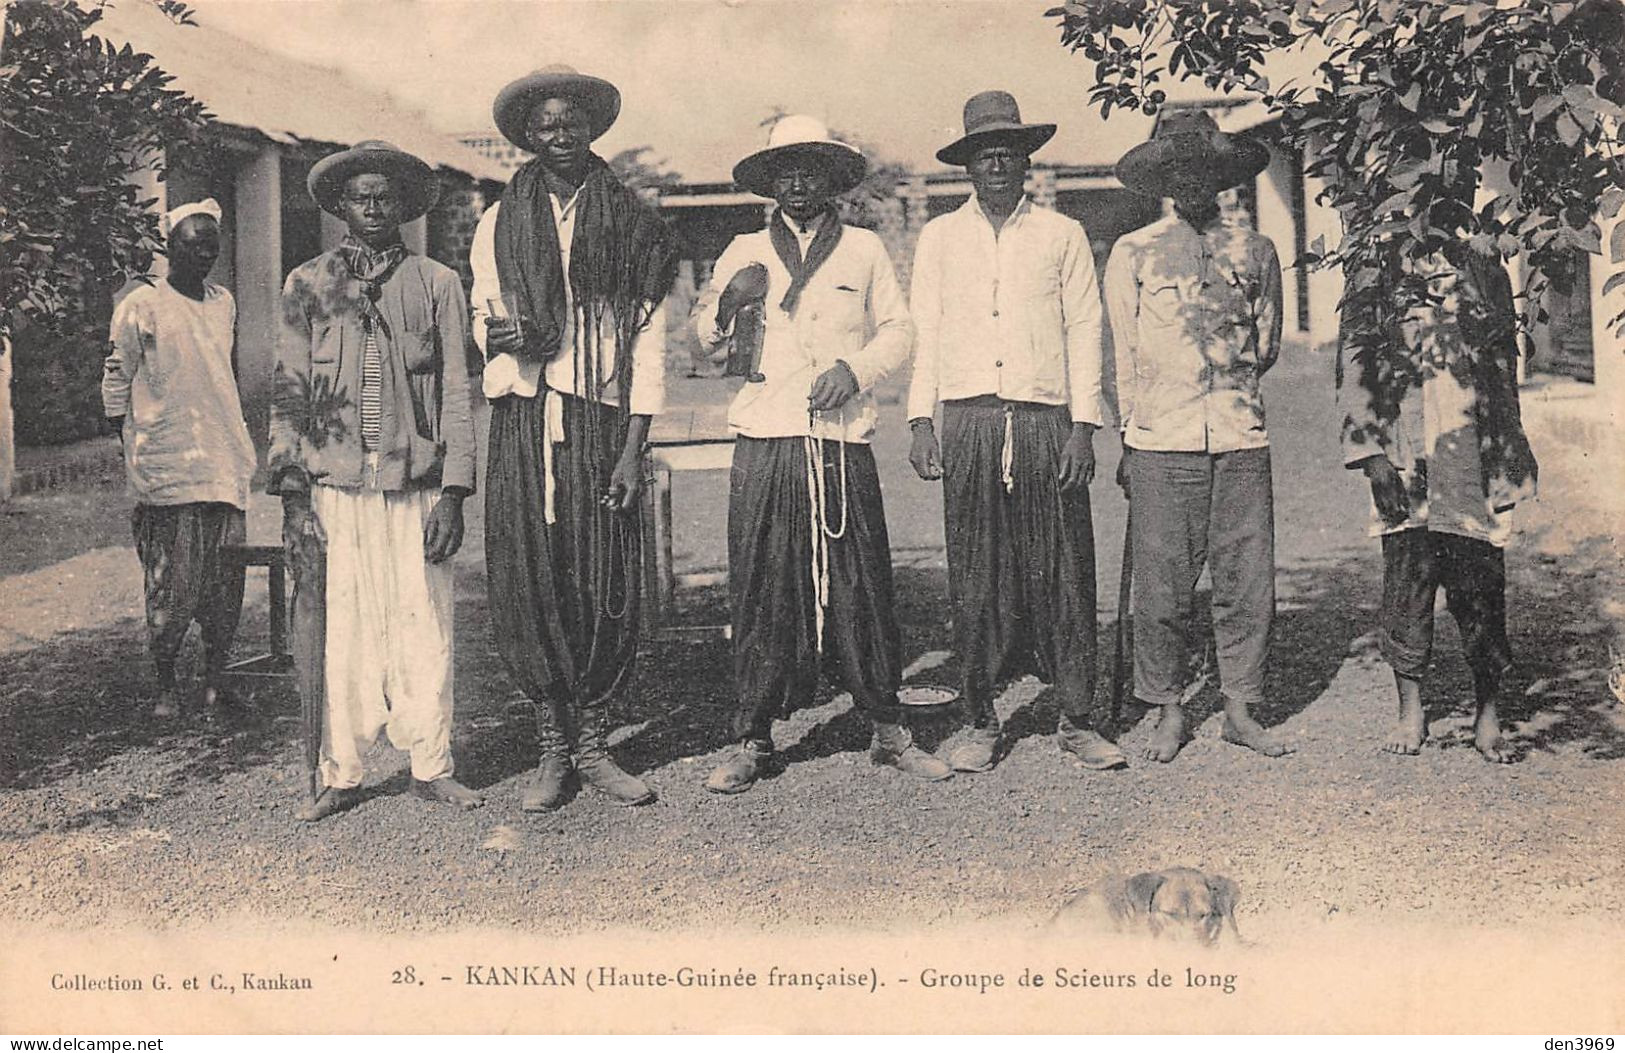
(372, 452)
(1195, 308)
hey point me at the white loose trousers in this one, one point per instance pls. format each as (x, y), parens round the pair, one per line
(389, 633)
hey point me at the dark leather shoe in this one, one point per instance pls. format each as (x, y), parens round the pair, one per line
(548, 786)
(447, 791)
(894, 747)
(331, 802)
(977, 753)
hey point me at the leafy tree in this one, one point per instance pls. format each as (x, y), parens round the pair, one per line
(78, 117)
(641, 173)
(1405, 105)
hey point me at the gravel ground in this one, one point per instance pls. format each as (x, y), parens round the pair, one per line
(108, 818)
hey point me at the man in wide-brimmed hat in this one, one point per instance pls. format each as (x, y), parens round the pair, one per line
(570, 270)
(372, 451)
(1195, 308)
(171, 393)
(1008, 310)
(809, 564)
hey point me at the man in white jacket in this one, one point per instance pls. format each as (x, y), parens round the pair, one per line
(809, 563)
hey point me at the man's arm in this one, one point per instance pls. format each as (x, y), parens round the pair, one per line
(482, 261)
(925, 304)
(290, 395)
(713, 337)
(1267, 309)
(894, 329)
(456, 398)
(649, 367)
(122, 362)
(1080, 314)
(1122, 295)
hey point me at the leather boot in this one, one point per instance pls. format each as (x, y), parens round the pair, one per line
(548, 786)
(978, 752)
(741, 770)
(1094, 750)
(596, 768)
(894, 747)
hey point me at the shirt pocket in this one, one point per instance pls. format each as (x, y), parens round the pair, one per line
(326, 347)
(420, 350)
(1162, 302)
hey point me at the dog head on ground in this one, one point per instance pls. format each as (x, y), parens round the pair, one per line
(1178, 904)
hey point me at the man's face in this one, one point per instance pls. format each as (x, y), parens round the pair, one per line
(560, 133)
(372, 207)
(803, 190)
(1193, 190)
(194, 245)
(998, 173)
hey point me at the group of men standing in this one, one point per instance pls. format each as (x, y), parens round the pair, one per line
(372, 444)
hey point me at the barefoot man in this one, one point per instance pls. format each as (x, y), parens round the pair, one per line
(1430, 415)
(372, 451)
(169, 391)
(1195, 308)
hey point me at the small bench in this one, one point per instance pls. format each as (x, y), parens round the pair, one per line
(278, 662)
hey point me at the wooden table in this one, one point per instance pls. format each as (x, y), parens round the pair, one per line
(685, 439)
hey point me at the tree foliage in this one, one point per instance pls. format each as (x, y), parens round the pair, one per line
(1402, 107)
(79, 117)
(640, 172)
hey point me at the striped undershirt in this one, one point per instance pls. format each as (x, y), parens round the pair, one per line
(371, 382)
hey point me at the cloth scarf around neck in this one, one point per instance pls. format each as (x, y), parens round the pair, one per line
(371, 267)
(623, 259)
(788, 248)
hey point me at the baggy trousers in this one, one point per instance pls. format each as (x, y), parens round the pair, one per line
(1192, 509)
(187, 576)
(564, 596)
(773, 578)
(1416, 563)
(1021, 554)
(389, 633)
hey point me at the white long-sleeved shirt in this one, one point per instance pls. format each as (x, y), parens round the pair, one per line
(852, 310)
(1196, 322)
(507, 375)
(169, 376)
(1014, 313)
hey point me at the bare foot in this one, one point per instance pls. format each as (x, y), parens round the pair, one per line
(1245, 731)
(1487, 736)
(1408, 733)
(1168, 736)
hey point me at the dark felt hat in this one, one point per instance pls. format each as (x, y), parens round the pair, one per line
(800, 138)
(993, 117)
(511, 110)
(415, 181)
(1186, 146)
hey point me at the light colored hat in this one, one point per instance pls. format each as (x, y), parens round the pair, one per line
(511, 111)
(1188, 145)
(797, 137)
(414, 180)
(207, 207)
(993, 117)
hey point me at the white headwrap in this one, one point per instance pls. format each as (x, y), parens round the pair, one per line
(206, 207)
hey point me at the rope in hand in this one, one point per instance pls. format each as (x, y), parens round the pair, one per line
(818, 506)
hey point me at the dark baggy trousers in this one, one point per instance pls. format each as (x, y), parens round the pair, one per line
(1415, 565)
(188, 576)
(564, 597)
(772, 584)
(1021, 556)
(1192, 509)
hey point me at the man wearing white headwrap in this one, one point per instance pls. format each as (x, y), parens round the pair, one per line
(169, 391)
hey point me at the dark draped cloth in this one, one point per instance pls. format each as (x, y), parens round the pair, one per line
(788, 249)
(1021, 561)
(770, 583)
(564, 598)
(188, 575)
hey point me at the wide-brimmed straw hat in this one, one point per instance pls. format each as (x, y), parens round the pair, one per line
(1186, 146)
(414, 180)
(511, 110)
(992, 117)
(800, 138)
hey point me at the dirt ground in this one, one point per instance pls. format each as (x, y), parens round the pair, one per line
(107, 817)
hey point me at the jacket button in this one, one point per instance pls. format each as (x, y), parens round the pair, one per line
(999, 362)
(995, 312)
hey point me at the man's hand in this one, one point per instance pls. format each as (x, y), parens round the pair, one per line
(625, 482)
(302, 535)
(1077, 467)
(1122, 471)
(502, 336)
(924, 454)
(748, 283)
(1387, 489)
(833, 388)
(443, 532)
